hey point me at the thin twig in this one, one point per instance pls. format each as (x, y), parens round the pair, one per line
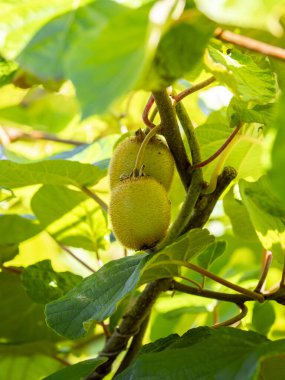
(250, 43)
(234, 319)
(11, 269)
(199, 287)
(220, 150)
(177, 98)
(66, 249)
(105, 329)
(257, 296)
(94, 196)
(37, 135)
(266, 265)
(61, 360)
(146, 110)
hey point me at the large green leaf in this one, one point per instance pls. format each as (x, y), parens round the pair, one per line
(16, 228)
(20, 21)
(244, 154)
(44, 53)
(73, 218)
(8, 252)
(239, 217)
(266, 213)
(96, 297)
(7, 70)
(187, 247)
(239, 111)
(53, 172)
(275, 174)
(256, 14)
(78, 371)
(263, 317)
(102, 75)
(211, 253)
(22, 320)
(178, 42)
(231, 354)
(42, 111)
(30, 366)
(249, 77)
(44, 285)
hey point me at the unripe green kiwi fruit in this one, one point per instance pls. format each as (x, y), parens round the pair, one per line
(140, 212)
(157, 160)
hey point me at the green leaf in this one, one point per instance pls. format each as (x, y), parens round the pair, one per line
(231, 354)
(31, 366)
(187, 247)
(238, 111)
(74, 219)
(263, 317)
(16, 228)
(265, 211)
(7, 71)
(78, 371)
(178, 42)
(96, 297)
(258, 14)
(249, 77)
(22, 320)
(20, 21)
(275, 173)
(244, 155)
(239, 217)
(53, 172)
(44, 285)
(103, 75)
(44, 54)
(8, 252)
(211, 253)
(42, 111)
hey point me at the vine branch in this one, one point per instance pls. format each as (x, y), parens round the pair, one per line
(94, 196)
(235, 319)
(170, 130)
(188, 91)
(129, 326)
(250, 44)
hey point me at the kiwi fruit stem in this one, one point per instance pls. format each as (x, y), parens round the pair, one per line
(141, 151)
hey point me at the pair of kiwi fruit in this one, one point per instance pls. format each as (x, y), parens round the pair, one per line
(139, 206)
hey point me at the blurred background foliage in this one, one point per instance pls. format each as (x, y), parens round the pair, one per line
(74, 80)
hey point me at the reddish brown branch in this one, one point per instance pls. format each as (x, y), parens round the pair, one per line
(219, 151)
(177, 98)
(250, 43)
(146, 111)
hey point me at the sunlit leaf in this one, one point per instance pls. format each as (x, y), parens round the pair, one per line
(96, 297)
(44, 285)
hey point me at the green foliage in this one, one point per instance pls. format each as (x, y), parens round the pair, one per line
(76, 371)
(44, 285)
(52, 172)
(248, 77)
(75, 220)
(230, 354)
(75, 79)
(95, 298)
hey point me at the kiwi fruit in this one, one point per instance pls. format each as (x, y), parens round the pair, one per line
(140, 212)
(157, 160)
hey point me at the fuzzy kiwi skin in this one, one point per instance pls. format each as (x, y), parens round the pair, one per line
(158, 161)
(140, 212)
